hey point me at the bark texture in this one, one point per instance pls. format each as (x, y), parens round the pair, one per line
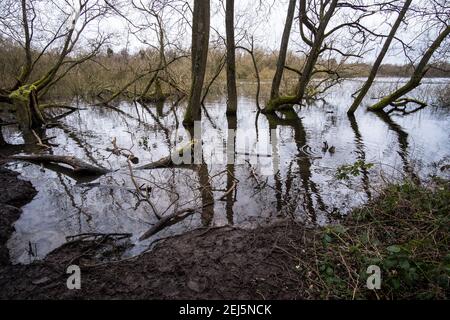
(200, 43)
(231, 58)
(275, 91)
(26, 103)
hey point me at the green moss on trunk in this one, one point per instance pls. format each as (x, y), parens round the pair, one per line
(27, 107)
(276, 103)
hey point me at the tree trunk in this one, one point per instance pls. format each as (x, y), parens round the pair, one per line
(275, 91)
(417, 76)
(28, 113)
(25, 70)
(200, 42)
(2, 140)
(231, 58)
(314, 53)
(363, 91)
(308, 68)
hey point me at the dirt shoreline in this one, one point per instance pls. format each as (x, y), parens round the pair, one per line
(221, 263)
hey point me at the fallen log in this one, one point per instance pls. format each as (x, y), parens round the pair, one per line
(79, 166)
(94, 236)
(161, 163)
(164, 221)
(167, 220)
(58, 106)
(404, 101)
(184, 154)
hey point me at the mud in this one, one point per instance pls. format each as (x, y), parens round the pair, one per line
(221, 263)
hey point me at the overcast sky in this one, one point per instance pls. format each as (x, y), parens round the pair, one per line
(265, 22)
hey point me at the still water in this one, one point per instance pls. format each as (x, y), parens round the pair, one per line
(284, 167)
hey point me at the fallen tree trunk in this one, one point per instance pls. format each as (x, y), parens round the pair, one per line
(79, 166)
(161, 163)
(376, 66)
(417, 76)
(184, 157)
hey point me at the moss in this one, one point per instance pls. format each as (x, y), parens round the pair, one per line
(380, 105)
(274, 104)
(22, 93)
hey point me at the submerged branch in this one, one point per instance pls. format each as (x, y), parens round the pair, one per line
(79, 166)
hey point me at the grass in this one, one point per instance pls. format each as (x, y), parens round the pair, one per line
(405, 231)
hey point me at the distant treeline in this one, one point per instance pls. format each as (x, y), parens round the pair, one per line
(109, 71)
(437, 70)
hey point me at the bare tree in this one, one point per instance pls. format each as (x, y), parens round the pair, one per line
(419, 72)
(148, 23)
(373, 72)
(72, 19)
(199, 54)
(250, 49)
(321, 37)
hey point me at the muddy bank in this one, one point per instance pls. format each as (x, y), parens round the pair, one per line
(224, 263)
(14, 193)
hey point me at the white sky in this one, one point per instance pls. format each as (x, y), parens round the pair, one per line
(265, 23)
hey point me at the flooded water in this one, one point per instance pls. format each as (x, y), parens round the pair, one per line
(285, 166)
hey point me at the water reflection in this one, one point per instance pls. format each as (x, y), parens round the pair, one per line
(311, 143)
(231, 181)
(361, 154)
(307, 186)
(402, 142)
